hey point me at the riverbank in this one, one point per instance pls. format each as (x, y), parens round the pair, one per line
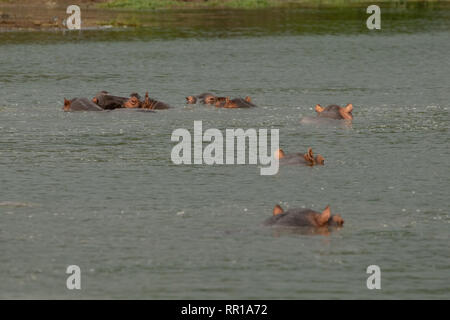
(253, 4)
(50, 15)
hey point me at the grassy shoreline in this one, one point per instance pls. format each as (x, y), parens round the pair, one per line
(36, 15)
(255, 4)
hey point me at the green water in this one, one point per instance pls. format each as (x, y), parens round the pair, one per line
(99, 189)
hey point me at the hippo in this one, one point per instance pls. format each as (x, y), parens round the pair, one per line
(135, 102)
(80, 104)
(335, 112)
(226, 102)
(248, 101)
(307, 159)
(191, 100)
(304, 218)
(205, 98)
(109, 102)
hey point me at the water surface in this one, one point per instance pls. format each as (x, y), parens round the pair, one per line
(99, 189)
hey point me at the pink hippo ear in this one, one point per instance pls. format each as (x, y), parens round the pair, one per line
(277, 210)
(248, 99)
(346, 112)
(310, 153)
(323, 218)
(279, 154)
(319, 108)
(348, 108)
(66, 105)
(309, 156)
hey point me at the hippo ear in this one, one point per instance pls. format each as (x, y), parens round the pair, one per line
(348, 108)
(346, 112)
(66, 102)
(277, 210)
(309, 157)
(279, 154)
(319, 108)
(248, 99)
(323, 218)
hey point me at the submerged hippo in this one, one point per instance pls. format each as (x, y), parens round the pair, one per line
(207, 98)
(135, 102)
(304, 218)
(335, 112)
(226, 102)
(80, 104)
(307, 159)
(109, 102)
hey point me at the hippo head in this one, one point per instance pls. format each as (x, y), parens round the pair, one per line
(66, 105)
(326, 219)
(318, 219)
(191, 100)
(133, 102)
(221, 101)
(228, 103)
(319, 159)
(340, 112)
(209, 99)
(336, 221)
(311, 160)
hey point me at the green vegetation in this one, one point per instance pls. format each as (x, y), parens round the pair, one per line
(169, 4)
(245, 4)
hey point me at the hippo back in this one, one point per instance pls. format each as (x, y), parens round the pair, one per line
(332, 112)
(156, 105)
(295, 158)
(109, 102)
(242, 103)
(83, 104)
(293, 218)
